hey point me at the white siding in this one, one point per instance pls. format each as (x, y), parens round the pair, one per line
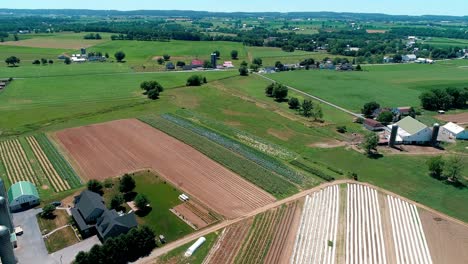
(421, 136)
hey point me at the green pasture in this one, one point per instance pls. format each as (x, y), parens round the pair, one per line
(446, 42)
(391, 85)
(28, 54)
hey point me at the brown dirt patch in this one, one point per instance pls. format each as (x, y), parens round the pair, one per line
(461, 119)
(195, 214)
(328, 144)
(375, 31)
(53, 43)
(235, 113)
(284, 134)
(111, 149)
(447, 240)
(411, 150)
(233, 123)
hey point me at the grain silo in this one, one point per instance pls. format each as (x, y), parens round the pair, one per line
(6, 248)
(5, 216)
(435, 134)
(393, 136)
(3, 191)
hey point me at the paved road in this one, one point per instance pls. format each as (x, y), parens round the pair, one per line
(315, 97)
(173, 245)
(67, 255)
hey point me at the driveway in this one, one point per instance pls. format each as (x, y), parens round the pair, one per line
(31, 248)
(67, 255)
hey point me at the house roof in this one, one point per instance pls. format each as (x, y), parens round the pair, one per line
(411, 125)
(111, 219)
(197, 62)
(22, 188)
(453, 128)
(88, 201)
(404, 109)
(411, 56)
(372, 123)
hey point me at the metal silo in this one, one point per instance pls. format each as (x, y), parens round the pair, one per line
(5, 215)
(3, 191)
(6, 248)
(435, 134)
(393, 136)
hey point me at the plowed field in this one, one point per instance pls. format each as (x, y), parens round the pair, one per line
(111, 149)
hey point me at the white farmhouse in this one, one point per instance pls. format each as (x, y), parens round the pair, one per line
(409, 57)
(411, 131)
(455, 131)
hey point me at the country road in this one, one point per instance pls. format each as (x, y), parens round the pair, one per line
(315, 97)
(191, 237)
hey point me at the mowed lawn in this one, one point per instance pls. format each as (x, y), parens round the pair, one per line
(391, 85)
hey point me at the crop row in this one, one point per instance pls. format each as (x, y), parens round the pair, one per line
(311, 170)
(260, 236)
(247, 138)
(16, 162)
(247, 152)
(270, 182)
(63, 168)
(55, 180)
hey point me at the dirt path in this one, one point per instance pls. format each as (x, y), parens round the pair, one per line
(173, 245)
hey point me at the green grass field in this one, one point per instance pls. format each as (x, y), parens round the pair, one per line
(177, 255)
(446, 42)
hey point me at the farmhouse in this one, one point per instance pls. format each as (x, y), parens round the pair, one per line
(454, 131)
(91, 216)
(228, 64)
(197, 64)
(408, 57)
(22, 195)
(411, 131)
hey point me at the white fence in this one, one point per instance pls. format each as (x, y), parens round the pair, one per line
(316, 237)
(408, 235)
(364, 236)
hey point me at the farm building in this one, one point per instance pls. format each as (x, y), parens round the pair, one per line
(91, 216)
(228, 64)
(409, 57)
(455, 131)
(22, 195)
(373, 125)
(197, 63)
(411, 131)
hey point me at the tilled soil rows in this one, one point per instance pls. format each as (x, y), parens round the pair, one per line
(111, 149)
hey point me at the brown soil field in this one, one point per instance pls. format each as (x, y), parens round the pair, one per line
(447, 241)
(460, 119)
(229, 243)
(195, 214)
(54, 43)
(111, 149)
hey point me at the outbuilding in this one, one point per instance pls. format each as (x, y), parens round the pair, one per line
(455, 131)
(22, 195)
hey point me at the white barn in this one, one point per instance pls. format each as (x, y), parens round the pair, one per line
(455, 131)
(411, 131)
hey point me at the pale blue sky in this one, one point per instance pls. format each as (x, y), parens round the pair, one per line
(401, 7)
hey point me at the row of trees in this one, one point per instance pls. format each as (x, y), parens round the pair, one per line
(137, 243)
(42, 61)
(444, 99)
(92, 36)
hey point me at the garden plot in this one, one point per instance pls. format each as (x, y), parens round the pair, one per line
(408, 235)
(16, 162)
(364, 232)
(317, 234)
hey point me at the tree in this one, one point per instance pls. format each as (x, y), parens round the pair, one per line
(48, 211)
(126, 183)
(205, 80)
(317, 112)
(194, 80)
(397, 58)
(160, 61)
(82, 258)
(369, 108)
(117, 201)
(234, 54)
(141, 201)
(294, 103)
(106, 55)
(217, 53)
(207, 64)
(385, 117)
(244, 63)
(36, 62)
(257, 61)
(119, 56)
(12, 60)
(67, 61)
(95, 186)
(98, 36)
(166, 57)
(51, 62)
(370, 143)
(152, 89)
(341, 129)
(453, 168)
(307, 107)
(280, 91)
(358, 67)
(254, 67)
(180, 64)
(243, 71)
(15, 36)
(269, 89)
(44, 61)
(436, 166)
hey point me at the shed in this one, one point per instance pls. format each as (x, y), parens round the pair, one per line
(373, 125)
(22, 195)
(455, 131)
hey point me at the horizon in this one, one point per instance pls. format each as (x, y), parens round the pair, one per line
(387, 7)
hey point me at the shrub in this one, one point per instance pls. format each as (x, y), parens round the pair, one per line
(341, 129)
(194, 80)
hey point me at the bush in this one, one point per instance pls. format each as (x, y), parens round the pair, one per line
(127, 183)
(119, 56)
(48, 211)
(116, 201)
(243, 71)
(194, 80)
(341, 129)
(166, 57)
(95, 186)
(141, 201)
(294, 103)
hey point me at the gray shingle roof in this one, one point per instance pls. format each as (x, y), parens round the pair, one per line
(89, 201)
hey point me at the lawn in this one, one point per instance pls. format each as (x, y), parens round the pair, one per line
(61, 239)
(162, 197)
(177, 255)
(59, 219)
(384, 84)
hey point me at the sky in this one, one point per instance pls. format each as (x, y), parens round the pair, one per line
(397, 7)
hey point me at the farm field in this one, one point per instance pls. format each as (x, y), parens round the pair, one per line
(446, 42)
(383, 84)
(114, 148)
(67, 40)
(195, 214)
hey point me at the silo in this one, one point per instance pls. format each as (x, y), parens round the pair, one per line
(6, 248)
(393, 135)
(435, 134)
(3, 191)
(5, 215)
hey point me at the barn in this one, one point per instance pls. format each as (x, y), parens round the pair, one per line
(455, 131)
(22, 195)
